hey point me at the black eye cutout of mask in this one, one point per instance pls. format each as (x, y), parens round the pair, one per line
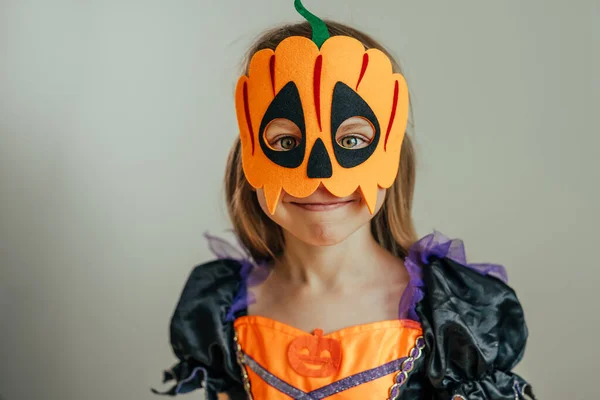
(286, 105)
(347, 104)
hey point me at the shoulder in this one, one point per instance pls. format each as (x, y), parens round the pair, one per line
(480, 312)
(454, 289)
(212, 282)
(473, 323)
(200, 315)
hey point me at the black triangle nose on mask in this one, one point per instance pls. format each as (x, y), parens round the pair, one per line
(319, 164)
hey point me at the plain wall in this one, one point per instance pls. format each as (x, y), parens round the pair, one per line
(116, 118)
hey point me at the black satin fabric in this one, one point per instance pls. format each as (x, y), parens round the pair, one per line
(473, 326)
(475, 333)
(199, 335)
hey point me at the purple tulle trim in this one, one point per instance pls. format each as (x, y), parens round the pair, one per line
(252, 273)
(436, 245)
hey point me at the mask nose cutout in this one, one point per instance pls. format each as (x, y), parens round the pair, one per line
(319, 164)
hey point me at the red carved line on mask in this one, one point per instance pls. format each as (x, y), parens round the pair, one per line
(365, 63)
(272, 69)
(247, 110)
(317, 87)
(394, 106)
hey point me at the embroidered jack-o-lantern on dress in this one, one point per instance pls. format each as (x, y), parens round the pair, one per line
(460, 332)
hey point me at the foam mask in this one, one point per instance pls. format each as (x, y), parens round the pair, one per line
(318, 84)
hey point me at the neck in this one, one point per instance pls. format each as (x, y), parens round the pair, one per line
(324, 267)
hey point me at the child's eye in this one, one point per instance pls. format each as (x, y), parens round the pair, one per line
(282, 135)
(285, 143)
(355, 133)
(353, 142)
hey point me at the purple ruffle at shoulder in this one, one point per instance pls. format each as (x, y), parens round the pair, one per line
(436, 245)
(252, 272)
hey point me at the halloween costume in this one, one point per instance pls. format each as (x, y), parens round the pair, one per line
(460, 331)
(460, 328)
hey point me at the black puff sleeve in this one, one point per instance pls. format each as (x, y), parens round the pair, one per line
(200, 337)
(475, 334)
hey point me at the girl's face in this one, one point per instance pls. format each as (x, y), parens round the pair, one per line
(321, 219)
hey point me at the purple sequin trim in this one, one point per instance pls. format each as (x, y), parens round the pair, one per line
(439, 246)
(358, 379)
(252, 273)
(274, 381)
(326, 391)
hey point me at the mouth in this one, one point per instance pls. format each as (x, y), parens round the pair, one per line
(314, 367)
(323, 206)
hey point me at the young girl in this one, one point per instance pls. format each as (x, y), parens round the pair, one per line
(334, 297)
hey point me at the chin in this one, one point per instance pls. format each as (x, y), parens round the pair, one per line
(323, 228)
(322, 234)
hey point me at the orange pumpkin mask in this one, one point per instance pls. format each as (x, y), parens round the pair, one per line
(318, 84)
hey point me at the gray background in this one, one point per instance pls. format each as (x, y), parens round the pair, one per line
(116, 118)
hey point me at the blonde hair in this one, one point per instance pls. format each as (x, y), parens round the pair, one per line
(392, 227)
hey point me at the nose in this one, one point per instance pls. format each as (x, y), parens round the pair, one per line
(319, 164)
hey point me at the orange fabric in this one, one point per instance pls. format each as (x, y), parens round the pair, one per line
(363, 347)
(315, 72)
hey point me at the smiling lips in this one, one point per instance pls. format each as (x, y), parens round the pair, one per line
(323, 206)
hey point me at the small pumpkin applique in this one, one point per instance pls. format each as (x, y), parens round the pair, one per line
(315, 356)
